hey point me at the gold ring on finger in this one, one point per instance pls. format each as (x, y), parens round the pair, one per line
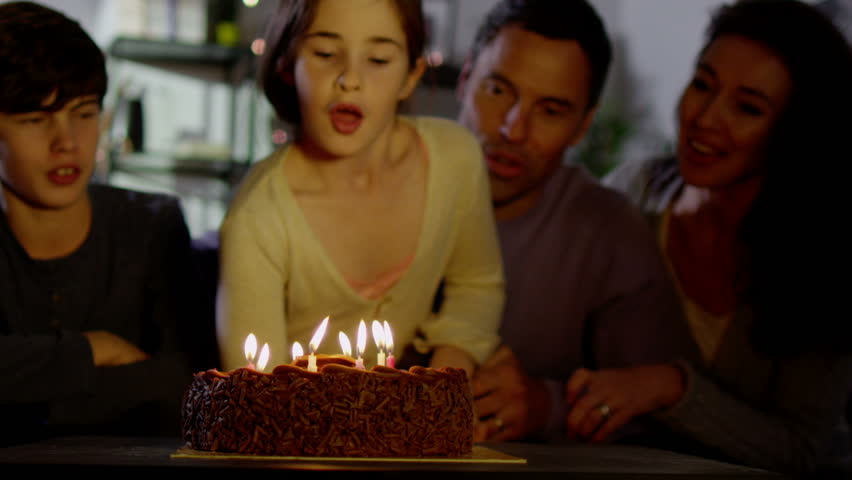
(604, 410)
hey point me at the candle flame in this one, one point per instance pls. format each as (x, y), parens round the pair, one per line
(362, 339)
(250, 347)
(297, 351)
(263, 359)
(378, 334)
(345, 345)
(317, 338)
(388, 338)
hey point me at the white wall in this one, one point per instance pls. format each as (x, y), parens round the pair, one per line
(470, 14)
(656, 44)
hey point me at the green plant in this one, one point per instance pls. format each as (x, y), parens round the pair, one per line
(600, 150)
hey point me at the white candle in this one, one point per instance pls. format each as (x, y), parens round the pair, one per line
(391, 361)
(344, 344)
(250, 349)
(297, 351)
(379, 338)
(263, 358)
(314, 345)
(361, 345)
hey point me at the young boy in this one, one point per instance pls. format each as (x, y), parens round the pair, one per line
(94, 280)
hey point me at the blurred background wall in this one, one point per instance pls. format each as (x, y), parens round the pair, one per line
(199, 120)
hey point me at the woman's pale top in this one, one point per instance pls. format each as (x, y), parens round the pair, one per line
(707, 328)
(278, 282)
(784, 413)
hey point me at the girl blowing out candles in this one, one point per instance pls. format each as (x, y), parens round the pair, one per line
(365, 211)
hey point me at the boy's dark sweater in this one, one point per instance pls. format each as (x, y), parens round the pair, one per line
(133, 277)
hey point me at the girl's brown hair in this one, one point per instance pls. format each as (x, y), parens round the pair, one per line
(284, 35)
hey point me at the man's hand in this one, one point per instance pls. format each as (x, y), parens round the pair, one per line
(602, 401)
(110, 350)
(509, 404)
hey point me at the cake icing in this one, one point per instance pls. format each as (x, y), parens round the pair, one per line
(338, 411)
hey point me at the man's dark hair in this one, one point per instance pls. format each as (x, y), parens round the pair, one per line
(42, 51)
(556, 19)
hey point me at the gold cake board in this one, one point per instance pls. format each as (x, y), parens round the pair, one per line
(480, 454)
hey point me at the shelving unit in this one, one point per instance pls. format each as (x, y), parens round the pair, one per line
(215, 63)
(204, 183)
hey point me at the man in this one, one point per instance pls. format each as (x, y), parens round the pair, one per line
(586, 286)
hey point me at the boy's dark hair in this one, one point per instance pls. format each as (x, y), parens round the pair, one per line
(42, 51)
(283, 37)
(557, 19)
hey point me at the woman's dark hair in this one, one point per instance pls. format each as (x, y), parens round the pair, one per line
(793, 233)
(283, 38)
(556, 19)
(42, 51)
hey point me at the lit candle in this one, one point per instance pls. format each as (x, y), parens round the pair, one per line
(361, 345)
(250, 349)
(345, 345)
(314, 345)
(379, 338)
(389, 345)
(297, 351)
(263, 358)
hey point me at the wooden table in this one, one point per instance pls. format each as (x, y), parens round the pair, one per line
(123, 455)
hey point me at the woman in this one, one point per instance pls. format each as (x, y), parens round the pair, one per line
(748, 222)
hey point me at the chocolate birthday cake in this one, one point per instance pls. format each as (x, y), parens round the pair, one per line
(338, 411)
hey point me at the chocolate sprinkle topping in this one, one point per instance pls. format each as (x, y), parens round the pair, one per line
(339, 411)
